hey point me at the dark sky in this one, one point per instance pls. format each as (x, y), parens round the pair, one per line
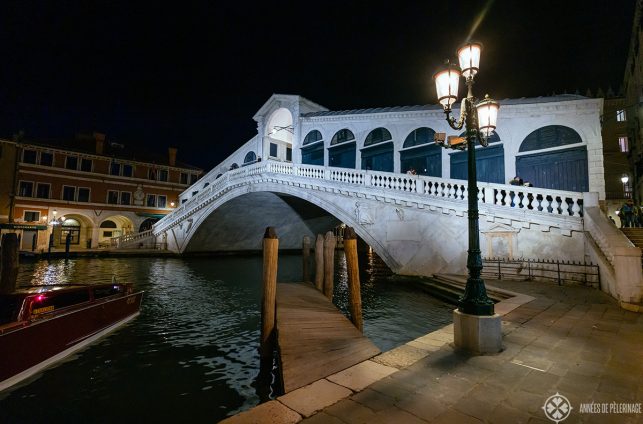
(192, 74)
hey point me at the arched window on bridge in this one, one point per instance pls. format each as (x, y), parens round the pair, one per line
(421, 153)
(562, 166)
(341, 152)
(490, 162)
(250, 158)
(234, 166)
(377, 154)
(312, 150)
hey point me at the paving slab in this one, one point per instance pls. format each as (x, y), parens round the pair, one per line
(361, 375)
(272, 412)
(314, 397)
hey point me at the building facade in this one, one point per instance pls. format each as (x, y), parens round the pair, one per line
(633, 89)
(88, 190)
(617, 150)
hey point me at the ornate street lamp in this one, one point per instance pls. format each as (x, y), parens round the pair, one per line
(479, 121)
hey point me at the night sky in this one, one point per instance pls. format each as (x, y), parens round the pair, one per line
(192, 74)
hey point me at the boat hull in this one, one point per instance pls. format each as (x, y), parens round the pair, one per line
(31, 348)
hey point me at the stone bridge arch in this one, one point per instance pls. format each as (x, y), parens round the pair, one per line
(190, 236)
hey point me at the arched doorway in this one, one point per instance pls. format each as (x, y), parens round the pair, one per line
(421, 153)
(377, 154)
(147, 224)
(551, 161)
(341, 153)
(77, 226)
(312, 150)
(278, 135)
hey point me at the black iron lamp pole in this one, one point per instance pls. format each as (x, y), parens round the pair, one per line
(475, 300)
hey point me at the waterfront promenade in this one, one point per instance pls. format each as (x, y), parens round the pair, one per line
(570, 340)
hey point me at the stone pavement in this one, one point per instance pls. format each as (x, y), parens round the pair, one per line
(570, 340)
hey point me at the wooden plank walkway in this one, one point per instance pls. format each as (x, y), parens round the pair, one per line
(314, 338)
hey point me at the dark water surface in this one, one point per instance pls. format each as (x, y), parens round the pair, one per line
(191, 355)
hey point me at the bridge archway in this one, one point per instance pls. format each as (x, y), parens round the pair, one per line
(490, 162)
(420, 152)
(554, 157)
(235, 223)
(341, 153)
(279, 135)
(377, 154)
(312, 151)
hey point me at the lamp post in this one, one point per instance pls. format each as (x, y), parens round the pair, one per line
(624, 180)
(479, 121)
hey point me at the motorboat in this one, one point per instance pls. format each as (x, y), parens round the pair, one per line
(41, 325)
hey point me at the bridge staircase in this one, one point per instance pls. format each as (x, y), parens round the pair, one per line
(142, 240)
(635, 234)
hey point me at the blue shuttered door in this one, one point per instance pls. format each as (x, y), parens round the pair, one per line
(490, 165)
(313, 155)
(342, 155)
(559, 170)
(426, 160)
(378, 158)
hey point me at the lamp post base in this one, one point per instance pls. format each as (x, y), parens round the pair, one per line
(478, 334)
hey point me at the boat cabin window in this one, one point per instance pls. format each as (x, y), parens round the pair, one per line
(9, 306)
(100, 292)
(52, 301)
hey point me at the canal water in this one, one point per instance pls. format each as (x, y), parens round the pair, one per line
(192, 354)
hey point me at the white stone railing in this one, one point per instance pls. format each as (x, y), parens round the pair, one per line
(130, 239)
(546, 201)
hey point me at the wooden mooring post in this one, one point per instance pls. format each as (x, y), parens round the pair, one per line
(9, 263)
(352, 269)
(329, 263)
(306, 258)
(270, 255)
(319, 262)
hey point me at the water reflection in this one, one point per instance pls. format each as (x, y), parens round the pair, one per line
(193, 351)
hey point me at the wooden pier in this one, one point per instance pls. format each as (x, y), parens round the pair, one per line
(314, 338)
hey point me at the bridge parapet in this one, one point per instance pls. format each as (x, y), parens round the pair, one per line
(540, 203)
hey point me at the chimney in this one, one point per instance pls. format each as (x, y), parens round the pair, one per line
(100, 142)
(172, 155)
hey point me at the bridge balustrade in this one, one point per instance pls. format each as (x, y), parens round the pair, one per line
(555, 202)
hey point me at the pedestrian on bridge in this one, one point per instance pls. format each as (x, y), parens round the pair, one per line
(627, 214)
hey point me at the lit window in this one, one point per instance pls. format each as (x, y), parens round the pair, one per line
(42, 190)
(25, 189)
(29, 156)
(623, 144)
(86, 165)
(83, 194)
(162, 201)
(71, 162)
(115, 168)
(69, 193)
(46, 158)
(32, 216)
(112, 197)
(126, 198)
(620, 115)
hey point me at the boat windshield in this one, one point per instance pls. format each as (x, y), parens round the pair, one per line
(9, 308)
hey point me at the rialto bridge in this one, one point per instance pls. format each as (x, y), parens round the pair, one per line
(309, 169)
